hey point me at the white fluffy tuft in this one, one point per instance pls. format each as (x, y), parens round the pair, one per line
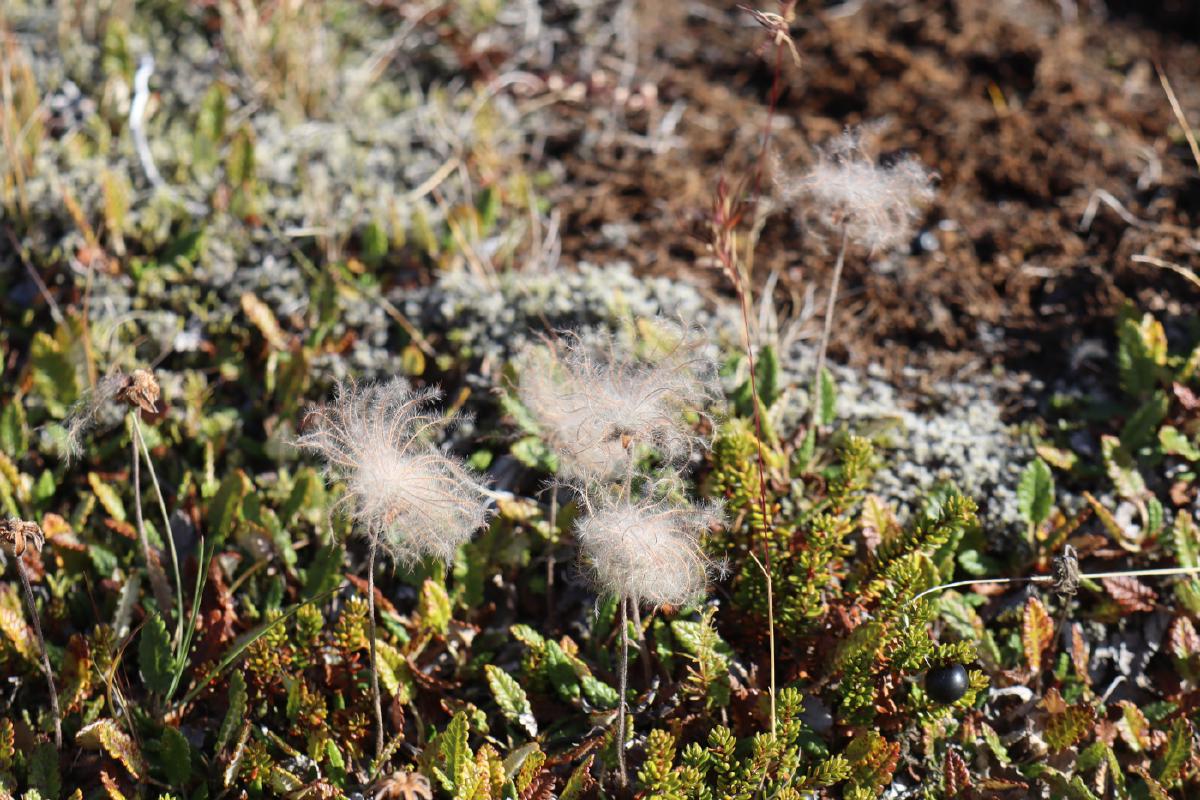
(647, 550)
(597, 404)
(879, 206)
(408, 497)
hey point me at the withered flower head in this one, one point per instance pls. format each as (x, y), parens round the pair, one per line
(140, 390)
(16, 535)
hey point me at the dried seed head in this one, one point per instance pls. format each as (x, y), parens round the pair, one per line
(140, 390)
(647, 550)
(877, 205)
(16, 535)
(596, 402)
(408, 497)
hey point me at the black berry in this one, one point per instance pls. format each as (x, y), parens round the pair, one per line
(947, 684)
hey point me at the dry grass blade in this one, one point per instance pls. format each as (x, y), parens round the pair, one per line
(1179, 115)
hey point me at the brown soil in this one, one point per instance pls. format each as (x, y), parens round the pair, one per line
(1023, 116)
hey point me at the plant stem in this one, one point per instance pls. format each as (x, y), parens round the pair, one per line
(622, 688)
(375, 698)
(643, 646)
(158, 581)
(826, 333)
(167, 534)
(37, 629)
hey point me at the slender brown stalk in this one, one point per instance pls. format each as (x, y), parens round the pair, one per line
(376, 700)
(826, 332)
(37, 629)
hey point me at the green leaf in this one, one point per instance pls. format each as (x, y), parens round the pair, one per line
(533, 453)
(1035, 492)
(767, 375)
(235, 715)
(1141, 425)
(561, 672)
(44, 771)
(1176, 753)
(1121, 470)
(14, 437)
(175, 757)
(224, 506)
(434, 607)
(53, 376)
(1186, 539)
(1173, 442)
(240, 165)
(453, 748)
(304, 487)
(108, 497)
(1141, 353)
(374, 243)
(828, 398)
(580, 782)
(510, 697)
(599, 693)
(154, 655)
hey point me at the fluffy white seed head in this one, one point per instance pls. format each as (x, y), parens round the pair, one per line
(409, 498)
(879, 206)
(647, 550)
(596, 403)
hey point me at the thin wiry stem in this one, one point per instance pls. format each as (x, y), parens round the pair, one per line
(37, 629)
(375, 698)
(643, 647)
(1132, 573)
(827, 332)
(162, 507)
(162, 592)
(744, 305)
(622, 688)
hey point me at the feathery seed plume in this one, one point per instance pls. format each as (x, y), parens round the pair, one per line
(597, 403)
(878, 205)
(647, 550)
(409, 498)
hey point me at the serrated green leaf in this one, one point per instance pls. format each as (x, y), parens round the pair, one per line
(1139, 429)
(434, 607)
(235, 714)
(580, 782)
(561, 672)
(599, 693)
(224, 506)
(323, 571)
(175, 757)
(767, 375)
(1035, 492)
(154, 655)
(44, 775)
(828, 397)
(1121, 469)
(453, 749)
(110, 501)
(1176, 753)
(1141, 353)
(511, 698)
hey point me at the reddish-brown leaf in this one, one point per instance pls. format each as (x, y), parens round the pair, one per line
(1037, 631)
(955, 770)
(1182, 639)
(1131, 594)
(1079, 655)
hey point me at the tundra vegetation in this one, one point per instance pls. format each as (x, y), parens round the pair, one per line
(330, 467)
